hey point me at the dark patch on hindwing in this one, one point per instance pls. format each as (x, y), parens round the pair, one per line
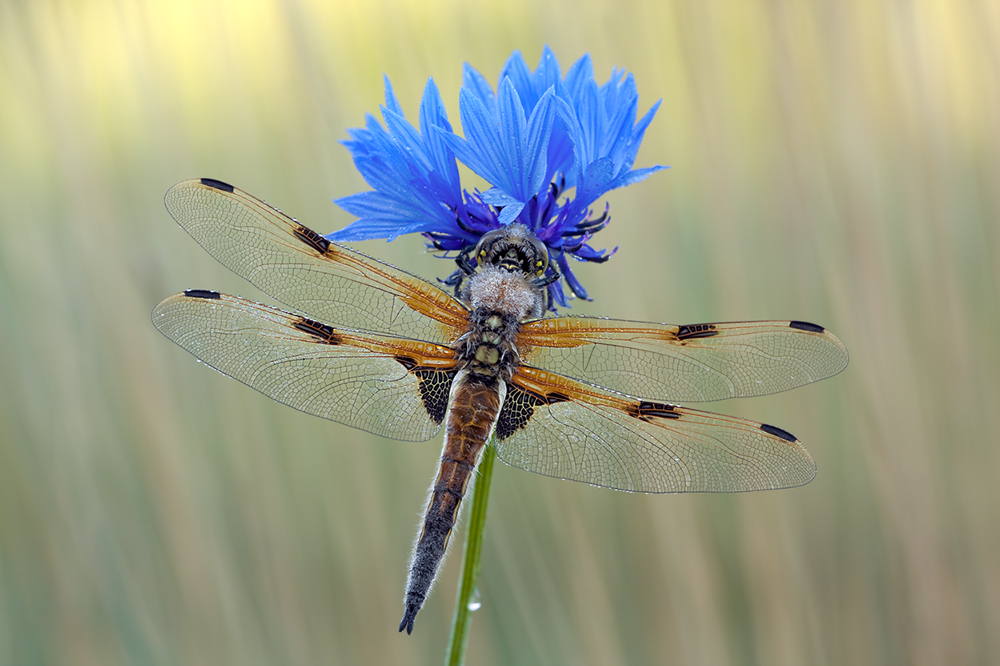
(691, 331)
(645, 410)
(778, 432)
(806, 326)
(217, 184)
(203, 293)
(434, 385)
(312, 239)
(322, 332)
(518, 408)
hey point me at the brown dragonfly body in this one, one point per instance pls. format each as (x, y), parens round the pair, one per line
(500, 296)
(580, 398)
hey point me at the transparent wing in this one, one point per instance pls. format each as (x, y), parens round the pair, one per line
(561, 428)
(297, 266)
(392, 387)
(694, 363)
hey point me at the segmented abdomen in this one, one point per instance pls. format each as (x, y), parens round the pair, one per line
(474, 405)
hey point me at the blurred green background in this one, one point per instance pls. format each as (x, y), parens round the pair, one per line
(836, 162)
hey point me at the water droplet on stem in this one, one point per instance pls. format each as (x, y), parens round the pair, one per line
(474, 602)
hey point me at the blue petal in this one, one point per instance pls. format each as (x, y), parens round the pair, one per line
(476, 84)
(531, 87)
(510, 212)
(377, 205)
(558, 295)
(368, 229)
(410, 198)
(638, 132)
(411, 162)
(579, 74)
(569, 122)
(591, 115)
(508, 150)
(536, 149)
(636, 175)
(417, 174)
(390, 97)
(408, 140)
(587, 253)
(497, 197)
(594, 182)
(379, 176)
(432, 114)
(513, 133)
(480, 150)
(548, 73)
(516, 71)
(618, 130)
(583, 118)
(571, 280)
(610, 89)
(560, 153)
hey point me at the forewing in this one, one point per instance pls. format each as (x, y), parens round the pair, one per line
(562, 428)
(392, 387)
(295, 265)
(693, 363)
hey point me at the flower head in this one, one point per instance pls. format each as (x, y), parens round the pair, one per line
(538, 137)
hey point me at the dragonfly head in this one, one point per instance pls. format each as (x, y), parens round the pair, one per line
(515, 249)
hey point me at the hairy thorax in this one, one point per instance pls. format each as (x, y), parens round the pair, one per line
(498, 290)
(500, 300)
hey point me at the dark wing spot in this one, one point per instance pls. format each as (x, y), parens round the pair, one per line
(312, 239)
(696, 331)
(806, 326)
(645, 410)
(778, 432)
(217, 184)
(321, 332)
(203, 293)
(434, 385)
(518, 408)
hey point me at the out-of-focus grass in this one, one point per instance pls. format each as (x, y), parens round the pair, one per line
(833, 162)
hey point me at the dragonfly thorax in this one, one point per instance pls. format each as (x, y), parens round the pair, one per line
(505, 292)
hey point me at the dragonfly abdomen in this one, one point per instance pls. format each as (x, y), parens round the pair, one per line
(473, 408)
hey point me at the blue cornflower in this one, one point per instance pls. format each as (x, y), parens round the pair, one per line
(539, 136)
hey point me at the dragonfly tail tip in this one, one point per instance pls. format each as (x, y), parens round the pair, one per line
(408, 617)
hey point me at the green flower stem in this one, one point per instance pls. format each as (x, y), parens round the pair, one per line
(470, 563)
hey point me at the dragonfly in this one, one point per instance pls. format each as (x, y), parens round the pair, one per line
(582, 398)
